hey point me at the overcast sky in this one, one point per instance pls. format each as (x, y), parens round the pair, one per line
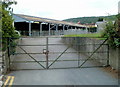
(63, 9)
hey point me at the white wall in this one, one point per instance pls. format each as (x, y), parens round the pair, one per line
(100, 26)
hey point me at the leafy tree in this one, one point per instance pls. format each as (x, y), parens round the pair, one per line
(100, 19)
(7, 20)
(112, 32)
(118, 25)
(0, 16)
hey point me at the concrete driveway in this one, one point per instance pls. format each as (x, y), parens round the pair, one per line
(84, 76)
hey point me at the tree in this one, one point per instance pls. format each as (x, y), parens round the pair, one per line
(118, 25)
(0, 17)
(112, 32)
(100, 19)
(7, 20)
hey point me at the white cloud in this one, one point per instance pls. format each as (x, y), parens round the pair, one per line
(62, 9)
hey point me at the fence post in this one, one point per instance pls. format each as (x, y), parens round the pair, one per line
(108, 55)
(8, 51)
(118, 62)
(6, 62)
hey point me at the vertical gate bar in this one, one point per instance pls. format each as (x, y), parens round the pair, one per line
(8, 48)
(78, 58)
(108, 55)
(46, 52)
(8, 44)
(77, 49)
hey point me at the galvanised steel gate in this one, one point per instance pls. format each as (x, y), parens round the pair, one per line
(54, 53)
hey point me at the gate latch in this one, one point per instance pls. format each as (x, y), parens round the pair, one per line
(45, 51)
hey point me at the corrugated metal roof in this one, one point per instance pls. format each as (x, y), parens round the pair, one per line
(39, 19)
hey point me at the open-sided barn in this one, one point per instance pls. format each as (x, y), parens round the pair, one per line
(31, 24)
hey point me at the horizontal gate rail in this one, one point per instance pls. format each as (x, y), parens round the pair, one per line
(65, 52)
(80, 52)
(31, 45)
(58, 44)
(77, 44)
(53, 60)
(90, 44)
(29, 53)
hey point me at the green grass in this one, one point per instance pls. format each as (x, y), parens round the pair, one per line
(84, 35)
(92, 35)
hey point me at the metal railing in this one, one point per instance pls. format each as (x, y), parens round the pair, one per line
(54, 32)
(43, 33)
(57, 52)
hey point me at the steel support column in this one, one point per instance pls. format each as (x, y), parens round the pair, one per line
(63, 28)
(75, 28)
(56, 27)
(40, 28)
(67, 27)
(86, 29)
(49, 29)
(29, 28)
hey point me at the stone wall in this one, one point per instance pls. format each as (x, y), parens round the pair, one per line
(5, 65)
(114, 57)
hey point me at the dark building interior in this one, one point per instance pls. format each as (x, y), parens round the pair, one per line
(24, 26)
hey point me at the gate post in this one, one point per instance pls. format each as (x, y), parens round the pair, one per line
(8, 51)
(47, 52)
(108, 55)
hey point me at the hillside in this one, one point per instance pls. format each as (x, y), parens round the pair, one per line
(93, 19)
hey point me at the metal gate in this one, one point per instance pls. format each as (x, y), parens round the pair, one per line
(53, 53)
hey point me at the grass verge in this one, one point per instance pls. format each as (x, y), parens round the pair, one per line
(92, 35)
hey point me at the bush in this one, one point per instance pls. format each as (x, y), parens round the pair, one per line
(6, 19)
(111, 33)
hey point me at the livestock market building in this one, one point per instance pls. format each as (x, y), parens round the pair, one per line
(37, 26)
